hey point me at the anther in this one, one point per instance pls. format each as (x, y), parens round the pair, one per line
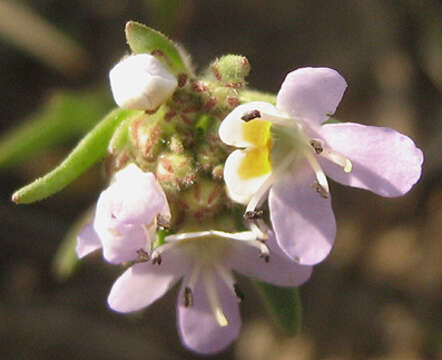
(253, 214)
(320, 190)
(239, 294)
(156, 259)
(265, 256)
(317, 146)
(163, 222)
(188, 297)
(251, 115)
(143, 256)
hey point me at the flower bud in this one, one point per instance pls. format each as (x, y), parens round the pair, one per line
(141, 82)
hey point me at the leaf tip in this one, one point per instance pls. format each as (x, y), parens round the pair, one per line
(16, 197)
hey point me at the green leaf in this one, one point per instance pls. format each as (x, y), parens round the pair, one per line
(253, 95)
(90, 150)
(143, 39)
(66, 260)
(66, 116)
(284, 304)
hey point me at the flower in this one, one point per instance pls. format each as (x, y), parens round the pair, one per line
(208, 312)
(125, 217)
(141, 82)
(287, 150)
(208, 316)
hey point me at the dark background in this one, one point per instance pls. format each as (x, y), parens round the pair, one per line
(377, 296)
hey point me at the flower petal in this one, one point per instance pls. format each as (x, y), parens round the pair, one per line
(87, 241)
(303, 221)
(198, 328)
(384, 160)
(311, 95)
(280, 270)
(122, 247)
(142, 284)
(231, 129)
(240, 190)
(134, 198)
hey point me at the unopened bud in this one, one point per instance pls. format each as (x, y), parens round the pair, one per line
(176, 171)
(141, 82)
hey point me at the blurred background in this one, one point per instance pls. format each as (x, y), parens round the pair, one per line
(377, 296)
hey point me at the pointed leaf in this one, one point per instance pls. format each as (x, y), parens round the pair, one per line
(66, 260)
(143, 39)
(90, 150)
(67, 115)
(284, 304)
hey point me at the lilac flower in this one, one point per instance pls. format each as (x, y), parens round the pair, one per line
(125, 217)
(207, 309)
(286, 150)
(208, 312)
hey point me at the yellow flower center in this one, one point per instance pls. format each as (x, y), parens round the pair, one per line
(257, 159)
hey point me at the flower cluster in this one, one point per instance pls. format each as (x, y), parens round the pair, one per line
(169, 212)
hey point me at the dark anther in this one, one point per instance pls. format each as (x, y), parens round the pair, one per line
(266, 257)
(162, 222)
(253, 215)
(157, 260)
(320, 190)
(239, 294)
(143, 256)
(188, 297)
(251, 115)
(317, 146)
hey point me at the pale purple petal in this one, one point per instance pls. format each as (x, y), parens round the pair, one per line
(134, 198)
(122, 247)
(198, 328)
(384, 160)
(303, 221)
(280, 270)
(87, 241)
(142, 284)
(311, 95)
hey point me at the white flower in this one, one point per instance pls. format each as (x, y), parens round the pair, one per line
(141, 82)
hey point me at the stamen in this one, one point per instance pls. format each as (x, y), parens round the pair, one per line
(213, 299)
(259, 195)
(253, 215)
(257, 229)
(163, 222)
(188, 297)
(317, 146)
(338, 159)
(320, 190)
(239, 294)
(320, 176)
(143, 256)
(157, 260)
(251, 115)
(156, 254)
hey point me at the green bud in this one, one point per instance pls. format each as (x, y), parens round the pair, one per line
(231, 70)
(146, 137)
(176, 171)
(203, 199)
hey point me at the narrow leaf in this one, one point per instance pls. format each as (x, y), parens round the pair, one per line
(284, 304)
(143, 39)
(66, 260)
(90, 150)
(65, 116)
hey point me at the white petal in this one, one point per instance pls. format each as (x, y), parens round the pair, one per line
(141, 82)
(230, 130)
(240, 190)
